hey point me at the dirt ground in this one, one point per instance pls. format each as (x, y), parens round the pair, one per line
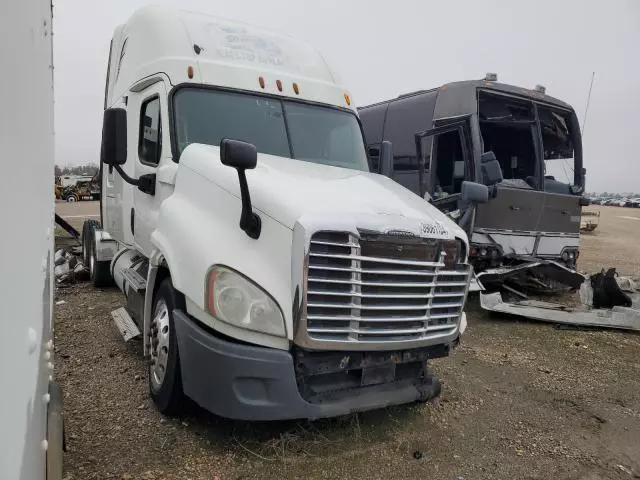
(520, 400)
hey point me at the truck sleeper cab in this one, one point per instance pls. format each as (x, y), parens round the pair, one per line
(264, 286)
(440, 138)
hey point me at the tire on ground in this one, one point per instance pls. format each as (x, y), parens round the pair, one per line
(168, 396)
(86, 239)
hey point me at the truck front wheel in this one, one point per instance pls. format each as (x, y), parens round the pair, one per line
(165, 382)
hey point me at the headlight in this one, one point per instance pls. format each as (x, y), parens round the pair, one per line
(455, 252)
(238, 301)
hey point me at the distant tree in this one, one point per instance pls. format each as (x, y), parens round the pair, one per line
(57, 171)
(87, 169)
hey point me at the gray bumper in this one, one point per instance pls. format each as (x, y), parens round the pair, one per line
(247, 382)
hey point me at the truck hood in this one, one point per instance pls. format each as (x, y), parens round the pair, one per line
(287, 190)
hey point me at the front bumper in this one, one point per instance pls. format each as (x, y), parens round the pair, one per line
(247, 382)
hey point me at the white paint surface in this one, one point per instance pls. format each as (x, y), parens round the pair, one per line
(26, 136)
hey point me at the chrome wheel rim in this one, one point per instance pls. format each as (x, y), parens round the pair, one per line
(159, 344)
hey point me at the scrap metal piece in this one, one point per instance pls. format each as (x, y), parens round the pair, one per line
(474, 284)
(589, 221)
(529, 275)
(618, 317)
(126, 326)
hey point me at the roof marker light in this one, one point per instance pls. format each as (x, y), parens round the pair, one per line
(491, 77)
(279, 85)
(540, 89)
(190, 71)
(296, 89)
(261, 81)
(347, 98)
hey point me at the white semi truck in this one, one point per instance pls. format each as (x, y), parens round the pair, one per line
(31, 403)
(270, 274)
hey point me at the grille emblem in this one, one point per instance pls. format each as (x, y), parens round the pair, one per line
(400, 233)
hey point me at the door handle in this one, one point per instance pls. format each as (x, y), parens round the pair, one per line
(515, 208)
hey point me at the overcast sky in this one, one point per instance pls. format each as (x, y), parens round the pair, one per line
(382, 48)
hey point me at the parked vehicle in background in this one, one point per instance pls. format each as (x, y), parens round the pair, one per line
(85, 190)
(501, 135)
(72, 180)
(31, 413)
(270, 273)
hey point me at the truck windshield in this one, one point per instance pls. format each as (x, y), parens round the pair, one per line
(284, 128)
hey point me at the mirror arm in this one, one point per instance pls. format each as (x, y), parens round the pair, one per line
(249, 220)
(125, 177)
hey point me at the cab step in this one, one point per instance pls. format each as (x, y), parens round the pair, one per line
(133, 278)
(126, 326)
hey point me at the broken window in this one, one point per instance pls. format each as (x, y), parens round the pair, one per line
(444, 160)
(507, 127)
(558, 150)
(449, 164)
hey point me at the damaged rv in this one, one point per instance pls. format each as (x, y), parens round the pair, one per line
(509, 138)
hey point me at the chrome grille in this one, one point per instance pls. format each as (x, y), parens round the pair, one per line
(382, 288)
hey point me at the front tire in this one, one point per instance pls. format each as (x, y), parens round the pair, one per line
(165, 380)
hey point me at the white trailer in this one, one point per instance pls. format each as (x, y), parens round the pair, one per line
(270, 273)
(30, 409)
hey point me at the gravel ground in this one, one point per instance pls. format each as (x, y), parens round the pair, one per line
(521, 400)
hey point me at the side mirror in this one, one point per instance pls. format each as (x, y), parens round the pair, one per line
(243, 156)
(386, 159)
(114, 137)
(238, 154)
(491, 169)
(474, 193)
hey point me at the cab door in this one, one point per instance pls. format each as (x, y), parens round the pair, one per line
(446, 161)
(154, 166)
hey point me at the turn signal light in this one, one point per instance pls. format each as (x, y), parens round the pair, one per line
(190, 72)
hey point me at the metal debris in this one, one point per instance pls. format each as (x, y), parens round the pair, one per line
(617, 317)
(533, 276)
(589, 221)
(69, 268)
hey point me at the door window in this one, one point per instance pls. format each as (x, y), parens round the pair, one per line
(150, 142)
(449, 171)
(444, 160)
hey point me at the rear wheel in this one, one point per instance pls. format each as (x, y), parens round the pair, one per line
(72, 198)
(165, 381)
(99, 271)
(86, 239)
